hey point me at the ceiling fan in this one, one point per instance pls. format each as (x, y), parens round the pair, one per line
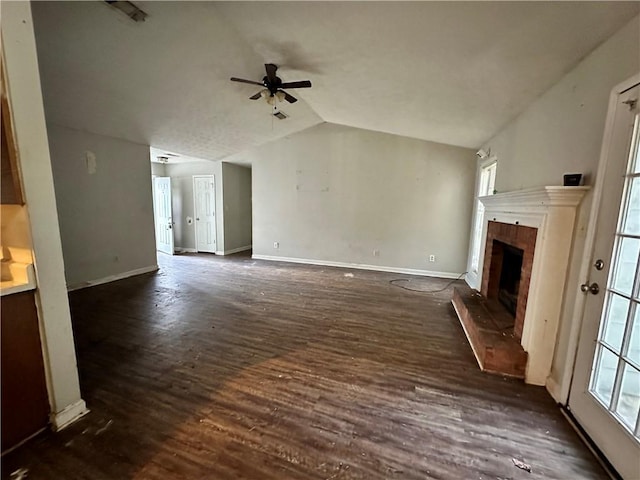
(274, 85)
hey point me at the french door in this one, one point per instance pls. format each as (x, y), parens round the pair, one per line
(605, 392)
(163, 214)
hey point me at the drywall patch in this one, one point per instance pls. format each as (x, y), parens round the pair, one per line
(91, 162)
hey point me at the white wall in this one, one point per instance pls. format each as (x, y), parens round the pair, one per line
(182, 197)
(236, 193)
(335, 194)
(158, 169)
(106, 218)
(559, 133)
(25, 98)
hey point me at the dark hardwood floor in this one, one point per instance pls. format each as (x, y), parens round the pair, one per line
(229, 368)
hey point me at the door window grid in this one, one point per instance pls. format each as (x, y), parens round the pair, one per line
(615, 379)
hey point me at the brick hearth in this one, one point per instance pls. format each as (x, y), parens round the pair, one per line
(489, 328)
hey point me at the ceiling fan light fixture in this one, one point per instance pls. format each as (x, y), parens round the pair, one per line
(280, 95)
(129, 9)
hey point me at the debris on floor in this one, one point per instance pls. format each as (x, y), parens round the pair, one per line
(104, 429)
(521, 465)
(19, 474)
(348, 275)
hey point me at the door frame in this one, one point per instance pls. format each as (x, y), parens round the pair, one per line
(215, 210)
(566, 379)
(474, 277)
(155, 213)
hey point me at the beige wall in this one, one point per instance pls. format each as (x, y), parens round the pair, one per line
(559, 133)
(158, 169)
(106, 218)
(236, 193)
(335, 194)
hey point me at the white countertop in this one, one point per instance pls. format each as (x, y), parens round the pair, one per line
(22, 279)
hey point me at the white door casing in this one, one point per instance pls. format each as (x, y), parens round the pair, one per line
(605, 391)
(485, 187)
(163, 214)
(204, 196)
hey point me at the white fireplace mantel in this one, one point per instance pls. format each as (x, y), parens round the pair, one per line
(552, 210)
(540, 198)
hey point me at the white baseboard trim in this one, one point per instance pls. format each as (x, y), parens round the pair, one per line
(112, 278)
(237, 250)
(185, 250)
(361, 266)
(68, 415)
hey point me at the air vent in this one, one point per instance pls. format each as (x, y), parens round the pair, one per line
(280, 115)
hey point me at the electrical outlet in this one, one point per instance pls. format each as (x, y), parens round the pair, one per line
(376, 252)
(276, 244)
(432, 258)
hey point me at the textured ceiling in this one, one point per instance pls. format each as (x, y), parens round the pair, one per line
(449, 72)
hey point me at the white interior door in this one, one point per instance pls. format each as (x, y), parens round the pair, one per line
(163, 214)
(605, 393)
(204, 193)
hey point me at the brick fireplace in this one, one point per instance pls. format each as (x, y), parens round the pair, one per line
(531, 229)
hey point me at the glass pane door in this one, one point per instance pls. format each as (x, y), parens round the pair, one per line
(615, 377)
(486, 187)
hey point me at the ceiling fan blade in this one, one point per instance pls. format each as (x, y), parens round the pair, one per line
(289, 98)
(301, 84)
(256, 96)
(242, 80)
(270, 68)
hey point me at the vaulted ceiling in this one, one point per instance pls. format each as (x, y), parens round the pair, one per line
(449, 72)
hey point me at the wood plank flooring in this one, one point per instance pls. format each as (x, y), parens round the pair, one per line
(230, 368)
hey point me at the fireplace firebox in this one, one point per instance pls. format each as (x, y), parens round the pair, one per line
(509, 283)
(508, 261)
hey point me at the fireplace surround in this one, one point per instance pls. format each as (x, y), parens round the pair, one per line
(539, 221)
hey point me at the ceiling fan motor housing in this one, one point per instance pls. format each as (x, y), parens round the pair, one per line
(272, 86)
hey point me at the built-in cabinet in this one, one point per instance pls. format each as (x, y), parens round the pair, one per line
(25, 406)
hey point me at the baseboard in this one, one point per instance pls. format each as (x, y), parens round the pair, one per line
(360, 266)
(185, 250)
(68, 415)
(236, 250)
(112, 278)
